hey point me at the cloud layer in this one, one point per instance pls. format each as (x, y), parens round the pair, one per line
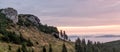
(92, 30)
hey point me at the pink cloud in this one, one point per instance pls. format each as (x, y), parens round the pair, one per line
(108, 29)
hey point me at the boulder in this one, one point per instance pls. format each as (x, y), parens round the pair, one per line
(11, 14)
(32, 18)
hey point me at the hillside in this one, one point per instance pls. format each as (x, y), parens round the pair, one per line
(16, 29)
(40, 39)
(109, 46)
(25, 33)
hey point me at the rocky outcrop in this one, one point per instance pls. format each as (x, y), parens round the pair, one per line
(33, 19)
(11, 14)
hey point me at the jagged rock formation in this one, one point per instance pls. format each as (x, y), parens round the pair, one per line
(10, 13)
(33, 19)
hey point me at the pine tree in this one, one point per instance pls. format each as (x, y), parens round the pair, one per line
(83, 42)
(65, 35)
(61, 33)
(85, 50)
(32, 50)
(114, 50)
(21, 37)
(89, 43)
(24, 48)
(64, 49)
(78, 47)
(19, 50)
(29, 42)
(9, 47)
(44, 49)
(50, 48)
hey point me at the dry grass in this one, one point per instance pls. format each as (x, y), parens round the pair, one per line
(35, 35)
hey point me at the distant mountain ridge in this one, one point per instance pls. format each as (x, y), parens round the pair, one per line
(95, 36)
(108, 36)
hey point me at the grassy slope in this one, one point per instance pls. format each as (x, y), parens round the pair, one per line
(35, 35)
(45, 39)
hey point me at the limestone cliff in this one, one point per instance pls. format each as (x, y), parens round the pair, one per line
(10, 13)
(32, 18)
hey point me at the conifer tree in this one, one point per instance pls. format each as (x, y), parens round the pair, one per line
(29, 42)
(85, 49)
(78, 47)
(50, 48)
(114, 50)
(32, 50)
(24, 48)
(44, 49)
(19, 50)
(89, 43)
(64, 49)
(9, 47)
(61, 33)
(83, 42)
(65, 35)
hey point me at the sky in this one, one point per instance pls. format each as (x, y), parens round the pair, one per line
(74, 16)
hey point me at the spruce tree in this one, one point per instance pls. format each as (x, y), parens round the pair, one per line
(114, 50)
(78, 47)
(32, 50)
(19, 50)
(50, 48)
(9, 47)
(83, 42)
(89, 43)
(85, 50)
(44, 49)
(64, 49)
(61, 33)
(24, 48)
(65, 35)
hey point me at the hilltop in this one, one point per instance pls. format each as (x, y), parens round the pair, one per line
(16, 29)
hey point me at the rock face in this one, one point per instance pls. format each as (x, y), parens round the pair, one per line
(11, 14)
(34, 19)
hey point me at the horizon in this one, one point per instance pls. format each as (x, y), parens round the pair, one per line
(75, 17)
(92, 30)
